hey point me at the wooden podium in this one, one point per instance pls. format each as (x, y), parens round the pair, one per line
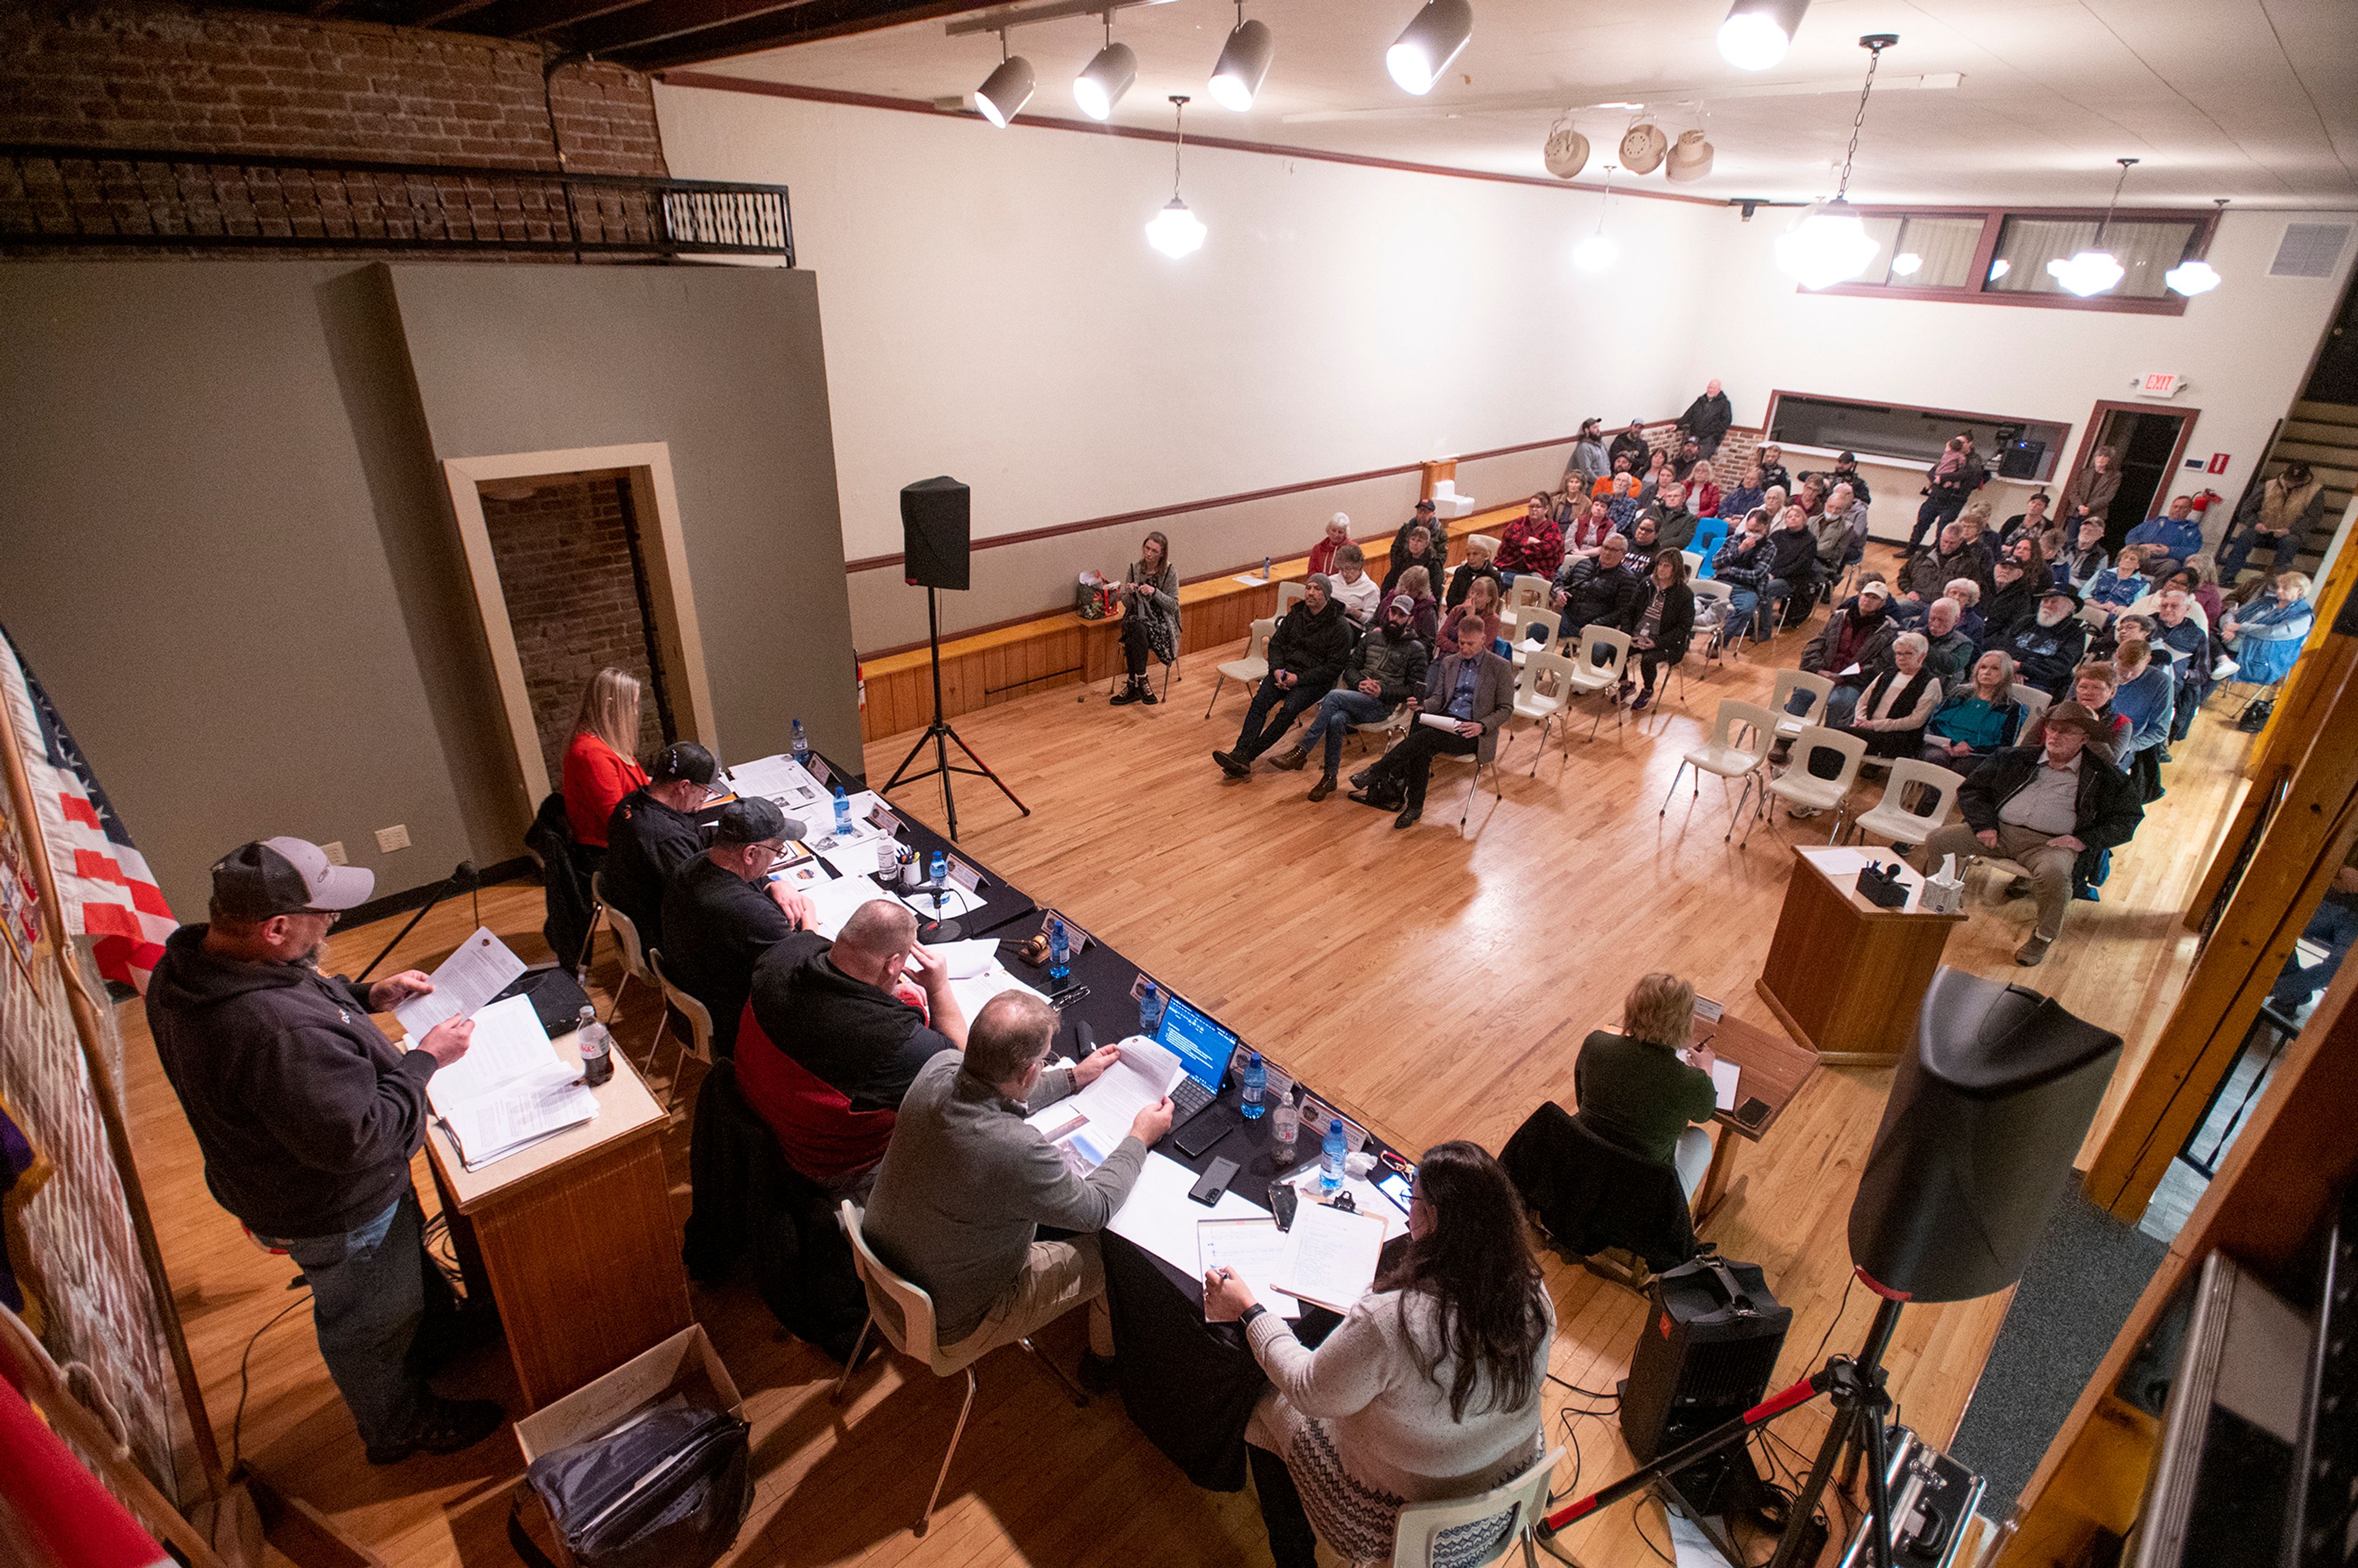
(576, 1238)
(1844, 976)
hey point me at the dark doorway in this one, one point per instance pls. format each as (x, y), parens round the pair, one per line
(2146, 444)
(2335, 379)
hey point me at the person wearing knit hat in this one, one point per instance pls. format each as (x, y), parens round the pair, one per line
(1306, 654)
(722, 912)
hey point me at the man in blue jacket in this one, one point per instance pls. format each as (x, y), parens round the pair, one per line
(2177, 534)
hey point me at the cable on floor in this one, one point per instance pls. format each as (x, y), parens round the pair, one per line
(244, 1362)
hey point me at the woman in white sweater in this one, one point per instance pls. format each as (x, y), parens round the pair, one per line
(1431, 1386)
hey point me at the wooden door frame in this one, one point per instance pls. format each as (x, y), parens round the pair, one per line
(2095, 424)
(663, 555)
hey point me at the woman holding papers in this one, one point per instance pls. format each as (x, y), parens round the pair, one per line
(1429, 1389)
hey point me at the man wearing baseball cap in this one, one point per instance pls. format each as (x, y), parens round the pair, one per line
(307, 1116)
(654, 833)
(2040, 806)
(721, 913)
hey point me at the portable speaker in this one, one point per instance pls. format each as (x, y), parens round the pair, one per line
(1977, 1138)
(2019, 460)
(934, 531)
(1705, 1358)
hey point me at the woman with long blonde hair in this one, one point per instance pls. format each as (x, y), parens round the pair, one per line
(599, 765)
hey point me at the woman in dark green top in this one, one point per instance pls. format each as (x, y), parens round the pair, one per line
(1634, 1092)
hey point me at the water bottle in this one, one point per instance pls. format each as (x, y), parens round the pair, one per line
(888, 860)
(802, 745)
(1285, 1129)
(597, 1057)
(1330, 1162)
(1150, 1010)
(1264, 569)
(1060, 952)
(937, 870)
(842, 813)
(1255, 1086)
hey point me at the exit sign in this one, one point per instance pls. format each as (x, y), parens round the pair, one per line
(2162, 384)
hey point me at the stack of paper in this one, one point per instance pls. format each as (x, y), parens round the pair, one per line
(510, 1089)
(481, 969)
(783, 780)
(1087, 1125)
(833, 904)
(1333, 1260)
(1160, 1216)
(973, 990)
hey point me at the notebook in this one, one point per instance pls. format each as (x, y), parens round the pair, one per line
(510, 1089)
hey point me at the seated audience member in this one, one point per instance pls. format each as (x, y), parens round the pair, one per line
(1593, 590)
(1949, 654)
(1481, 607)
(2032, 555)
(1481, 550)
(2265, 637)
(2334, 927)
(1387, 669)
(721, 913)
(2040, 807)
(1150, 617)
(2280, 516)
(1587, 532)
(1634, 1092)
(1657, 469)
(1685, 458)
(1845, 471)
(1855, 639)
(1430, 1387)
(1359, 594)
(2033, 519)
(1420, 552)
(2049, 646)
(1430, 517)
(1792, 564)
(1975, 719)
(2186, 581)
(2092, 687)
(1630, 444)
(1812, 496)
(1979, 538)
(1773, 471)
(1477, 689)
(652, 833)
(1928, 573)
(1645, 537)
(2091, 491)
(1703, 495)
(1674, 525)
(2176, 533)
(833, 1036)
(2120, 585)
(1306, 654)
(967, 1184)
(1966, 595)
(2085, 561)
(1572, 504)
(1743, 565)
(1772, 505)
(1531, 543)
(1589, 461)
(1322, 553)
(1621, 502)
(2194, 577)
(1841, 531)
(2174, 627)
(1738, 501)
(599, 766)
(1890, 714)
(1424, 610)
(1661, 623)
(2147, 694)
(2014, 604)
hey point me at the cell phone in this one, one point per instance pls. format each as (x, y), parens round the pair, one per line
(1394, 1186)
(1214, 1181)
(1753, 1112)
(1284, 1201)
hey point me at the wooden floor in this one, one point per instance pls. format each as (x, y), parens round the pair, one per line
(1437, 985)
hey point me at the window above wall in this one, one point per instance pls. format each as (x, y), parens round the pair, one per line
(1999, 256)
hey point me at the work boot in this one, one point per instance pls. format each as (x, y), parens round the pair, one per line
(1128, 693)
(1323, 787)
(1293, 759)
(443, 1426)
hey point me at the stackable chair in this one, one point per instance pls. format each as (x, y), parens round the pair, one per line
(1891, 819)
(698, 1043)
(1529, 591)
(1713, 602)
(1695, 564)
(1250, 668)
(2034, 702)
(634, 956)
(1589, 678)
(1467, 1523)
(1818, 687)
(1800, 787)
(1721, 757)
(1543, 621)
(1543, 669)
(1473, 787)
(1290, 594)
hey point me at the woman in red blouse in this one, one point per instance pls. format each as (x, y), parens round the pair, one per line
(1531, 543)
(599, 767)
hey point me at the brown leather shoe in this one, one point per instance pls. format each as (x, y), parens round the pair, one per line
(1292, 759)
(1323, 787)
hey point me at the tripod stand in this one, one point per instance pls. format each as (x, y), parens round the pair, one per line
(940, 734)
(1856, 1434)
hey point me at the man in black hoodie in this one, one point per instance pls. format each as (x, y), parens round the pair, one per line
(308, 1116)
(652, 833)
(1306, 654)
(721, 913)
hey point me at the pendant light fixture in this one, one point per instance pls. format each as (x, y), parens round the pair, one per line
(1176, 231)
(1828, 244)
(1597, 253)
(2192, 277)
(1434, 37)
(2095, 270)
(1245, 60)
(1004, 92)
(1757, 32)
(1106, 78)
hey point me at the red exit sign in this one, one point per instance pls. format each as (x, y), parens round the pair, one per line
(2162, 384)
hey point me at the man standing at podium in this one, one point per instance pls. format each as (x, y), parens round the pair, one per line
(308, 1116)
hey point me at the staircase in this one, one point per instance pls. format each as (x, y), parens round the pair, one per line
(2325, 437)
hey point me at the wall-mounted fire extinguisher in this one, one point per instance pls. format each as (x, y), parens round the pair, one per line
(2204, 500)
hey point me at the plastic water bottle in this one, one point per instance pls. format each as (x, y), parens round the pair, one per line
(842, 813)
(1330, 1162)
(1255, 1086)
(938, 870)
(1060, 952)
(1284, 1130)
(802, 745)
(1264, 569)
(597, 1055)
(1150, 1010)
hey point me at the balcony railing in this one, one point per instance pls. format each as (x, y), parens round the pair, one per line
(72, 198)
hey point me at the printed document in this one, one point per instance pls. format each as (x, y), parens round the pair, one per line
(1258, 1251)
(1335, 1253)
(783, 780)
(833, 904)
(1160, 1216)
(1090, 1123)
(481, 969)
(1725, 1076)
(510, 1089)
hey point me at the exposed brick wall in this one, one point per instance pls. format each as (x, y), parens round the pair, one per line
(170, 78)
(568, 577)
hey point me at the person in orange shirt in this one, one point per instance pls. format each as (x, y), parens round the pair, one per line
(600, 769)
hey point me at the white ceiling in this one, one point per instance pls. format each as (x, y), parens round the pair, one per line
(2254, 99)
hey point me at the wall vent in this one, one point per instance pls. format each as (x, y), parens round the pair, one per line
(2310, 250)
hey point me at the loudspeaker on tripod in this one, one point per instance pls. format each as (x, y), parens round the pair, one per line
(936, 525)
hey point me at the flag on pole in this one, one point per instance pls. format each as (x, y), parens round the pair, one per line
(104, 889)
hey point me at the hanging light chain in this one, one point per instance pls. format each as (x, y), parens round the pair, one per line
(1874, 58)
(1178, 139)
(2125, 163)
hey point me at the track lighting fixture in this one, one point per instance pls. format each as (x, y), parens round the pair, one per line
(1434, 37)
(1004, 92)
(1757, 32)
(1245, 60)
(1106, 78)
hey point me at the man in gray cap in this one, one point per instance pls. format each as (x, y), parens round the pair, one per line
(307, 1116)
(1306, 654)
(721, 913)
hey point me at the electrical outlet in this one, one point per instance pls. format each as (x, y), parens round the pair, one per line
(388, 840)
(334, 849)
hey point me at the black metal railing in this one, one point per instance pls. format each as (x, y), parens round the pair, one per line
(70, 197)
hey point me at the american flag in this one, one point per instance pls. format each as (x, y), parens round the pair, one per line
(104, 889)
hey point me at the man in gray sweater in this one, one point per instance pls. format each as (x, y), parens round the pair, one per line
(966, 1184)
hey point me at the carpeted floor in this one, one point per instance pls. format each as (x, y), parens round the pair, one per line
(2088, 1273)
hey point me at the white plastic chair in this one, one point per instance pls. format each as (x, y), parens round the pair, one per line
(2034, 703)
(1473, 787)
(1530, 590)
(904, 1313)
(1543, 669)
(1252, 666)
(1589, 678)
(1518, 1506)
(1802, 789)
(1722, 756)
(1695, 564)
(700, 1027)
(1890, 817)
(634, 955)
(1712, 599)
(1395, 722)
(1544, 622)
(1290, 594)
(1818, 689)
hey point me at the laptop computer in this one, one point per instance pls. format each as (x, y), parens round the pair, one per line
(1205, 1050)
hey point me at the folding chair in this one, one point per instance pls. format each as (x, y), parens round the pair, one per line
(1252, 667)
(1722, 757)
(1803, 789)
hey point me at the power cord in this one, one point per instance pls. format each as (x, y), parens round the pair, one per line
(1817, 1357)
(244, 1362)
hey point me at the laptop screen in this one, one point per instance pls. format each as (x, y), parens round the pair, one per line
(1202, 1046)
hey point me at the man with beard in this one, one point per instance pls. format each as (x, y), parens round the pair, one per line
(1306, 654)
(307, 1116)
(1841, 531)
(2014, 604)
(2049, 648)
(1387, 670)
(1773, 471)
(1631, 444)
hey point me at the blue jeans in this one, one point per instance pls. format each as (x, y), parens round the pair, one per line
(1841, 703)
(371, 1303)
(2333, 927)
(1752, 614)
(1254, 737)
(1337, 711)
(2236, 556)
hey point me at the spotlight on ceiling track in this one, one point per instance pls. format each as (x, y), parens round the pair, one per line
(1245, 60)
(1757, 32)
(1434, 37)
(1004, 92)
(1106, 78)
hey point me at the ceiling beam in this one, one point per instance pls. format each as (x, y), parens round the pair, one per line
(534, 18)
(686, 32)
